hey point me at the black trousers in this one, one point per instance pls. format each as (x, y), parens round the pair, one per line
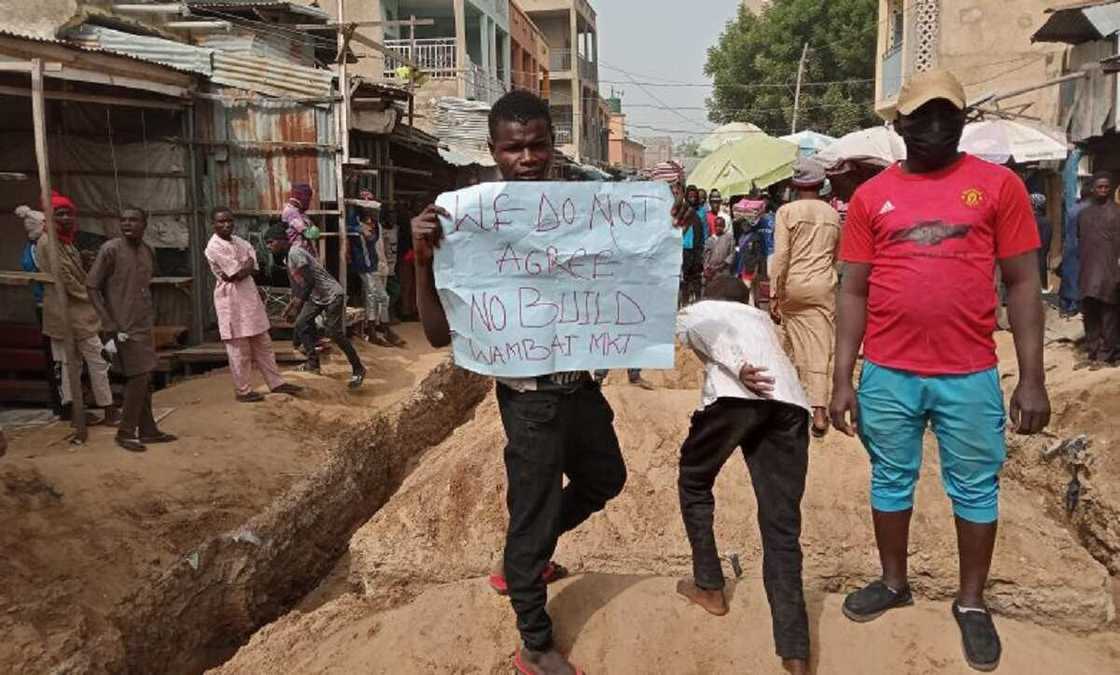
(552, 434)
(1102, 329)
(774, 438)
(307, 334)
(136, 410)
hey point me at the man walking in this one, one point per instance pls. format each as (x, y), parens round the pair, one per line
(921, 244)
(556, 425)
(315, 292)
(1098, 232)
(118, 285)
(803, 284)
(767, 417)
(242, 319)
(81, 315)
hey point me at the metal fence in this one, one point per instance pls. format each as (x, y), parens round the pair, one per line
(438, 57)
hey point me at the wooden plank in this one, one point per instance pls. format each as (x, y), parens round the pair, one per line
(19, 278)
(74, 361)
(96, 98)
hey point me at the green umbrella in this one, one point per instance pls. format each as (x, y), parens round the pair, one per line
(757, 161)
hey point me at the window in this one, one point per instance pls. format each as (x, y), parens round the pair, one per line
(927, 24)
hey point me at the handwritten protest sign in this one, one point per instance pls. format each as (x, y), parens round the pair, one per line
(538, 278)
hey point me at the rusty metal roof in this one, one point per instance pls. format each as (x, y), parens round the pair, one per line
(1080, 22)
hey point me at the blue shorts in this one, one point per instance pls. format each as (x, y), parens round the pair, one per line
(967, 416)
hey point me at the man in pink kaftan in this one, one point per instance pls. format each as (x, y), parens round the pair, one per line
(242, 320)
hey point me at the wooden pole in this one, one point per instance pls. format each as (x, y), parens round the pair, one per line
(74, 369)
(797, 92)
(412, 74)
(342, 108)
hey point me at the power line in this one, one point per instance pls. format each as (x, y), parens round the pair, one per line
(647, 91)
(760, 85)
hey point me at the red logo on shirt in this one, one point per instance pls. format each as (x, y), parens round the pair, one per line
(972, 197)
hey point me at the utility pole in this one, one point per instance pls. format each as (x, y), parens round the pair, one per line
(797, 92)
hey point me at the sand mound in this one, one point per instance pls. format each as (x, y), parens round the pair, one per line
(633, 624)
(447, 522)
(411, 597)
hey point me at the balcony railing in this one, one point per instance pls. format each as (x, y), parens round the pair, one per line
(483, 86)
(436, 56)
(560, 60)
(588, 70)
(891, 73)
(562, 125)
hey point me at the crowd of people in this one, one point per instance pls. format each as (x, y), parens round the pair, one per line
(920, 248)
(779, 332)
(110, 315)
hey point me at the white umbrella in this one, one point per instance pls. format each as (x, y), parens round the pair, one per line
(878, 145)
(1000, 141)
(728, 133)
(809, 142)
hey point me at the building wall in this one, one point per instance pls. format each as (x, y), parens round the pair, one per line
(40, 18)
(559, 21)
(528, 51)
(657, 149)
(987, 45)
(633, 155)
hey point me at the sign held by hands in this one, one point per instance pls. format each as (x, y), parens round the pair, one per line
(538, 278)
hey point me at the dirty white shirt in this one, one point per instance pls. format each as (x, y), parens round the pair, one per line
(728, 335)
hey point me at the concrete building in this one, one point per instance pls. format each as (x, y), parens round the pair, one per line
(465, 53)
(986, 44)
(579, 113)
(658, 149)
(529, 53)
(624, 152)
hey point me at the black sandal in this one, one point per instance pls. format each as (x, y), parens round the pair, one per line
(979, 639)
(873, 600)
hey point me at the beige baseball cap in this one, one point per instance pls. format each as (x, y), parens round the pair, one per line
(928, 86)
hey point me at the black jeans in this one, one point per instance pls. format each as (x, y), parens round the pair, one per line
(552, 434)
(774, 438)
(307, 334)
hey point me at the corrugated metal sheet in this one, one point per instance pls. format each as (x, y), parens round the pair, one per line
(83, 46)
(246, 71)
(283, 49)
(278, 75)
(253, 178)
(1080, 23)
(294, 7)
(156, 50)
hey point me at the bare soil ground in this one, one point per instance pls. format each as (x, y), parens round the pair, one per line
(85, 527)
(410, 595)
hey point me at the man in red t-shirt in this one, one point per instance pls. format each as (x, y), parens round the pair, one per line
(921, 244)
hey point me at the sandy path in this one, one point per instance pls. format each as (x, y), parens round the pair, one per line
(83, 527)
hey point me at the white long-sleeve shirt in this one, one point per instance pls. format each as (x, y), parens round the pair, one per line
(728, 335)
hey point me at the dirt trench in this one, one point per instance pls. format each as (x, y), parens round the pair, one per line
(212, 600)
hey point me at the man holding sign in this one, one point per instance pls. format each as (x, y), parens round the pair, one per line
(528, 286)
